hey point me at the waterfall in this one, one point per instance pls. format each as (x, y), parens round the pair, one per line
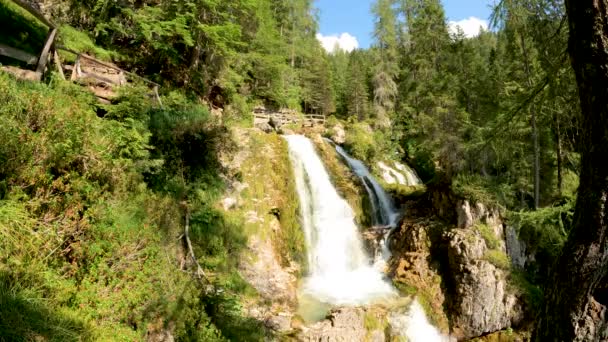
(340, 272)
(384, 213)
(382, 204)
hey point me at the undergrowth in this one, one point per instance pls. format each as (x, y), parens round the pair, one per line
(92, 218)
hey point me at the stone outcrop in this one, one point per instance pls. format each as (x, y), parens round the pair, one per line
(469, 215)
(338, 135)
(344, 325)
(480, 300)
(451, 263)
(412, 265)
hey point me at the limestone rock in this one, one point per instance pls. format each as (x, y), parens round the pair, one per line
(338, 135)
(343, 325)
(516, 249)
(229, 203)
(275, 123)
(412, 265)
(280, 322)
(264, 127)
(261, 269)
(470, 215)
(480, 301)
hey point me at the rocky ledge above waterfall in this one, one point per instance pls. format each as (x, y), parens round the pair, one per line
(452, 255)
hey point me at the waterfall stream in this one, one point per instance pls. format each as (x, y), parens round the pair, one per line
(384, 214)
(340, 273)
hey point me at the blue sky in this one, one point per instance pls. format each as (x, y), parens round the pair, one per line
(341, 20)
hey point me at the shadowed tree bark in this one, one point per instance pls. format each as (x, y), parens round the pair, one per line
(577, 293)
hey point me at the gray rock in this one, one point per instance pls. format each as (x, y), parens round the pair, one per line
(229, 203)
(275, 123)
(481, 302)
(465, 217)
(280, 322)
(516, 249)
(264, 127)
(261, 268)
(338, 135)
(344, 325)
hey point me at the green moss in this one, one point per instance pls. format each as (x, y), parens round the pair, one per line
(346, 183)
(372, 322)
(498, 259)
(360, 142)
(488, 235)
(426, 298)
(401, 193)
(533, 294)
(271, 192)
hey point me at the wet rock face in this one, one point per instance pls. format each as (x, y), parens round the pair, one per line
(480, 300)
(411, 246)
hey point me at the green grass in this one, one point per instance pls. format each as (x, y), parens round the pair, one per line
(498, 259)
(488, 235)
(79, 41)
(90, 249)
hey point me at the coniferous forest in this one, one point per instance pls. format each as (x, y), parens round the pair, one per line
(118, 220)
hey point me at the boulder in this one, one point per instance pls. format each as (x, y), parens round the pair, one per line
(261, 268)
(275, 123)
(264, 127)
(229, 203)
(338, 135)
(281, 322)
(480, 299)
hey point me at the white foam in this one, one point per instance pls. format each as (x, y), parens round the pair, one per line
(340, 270)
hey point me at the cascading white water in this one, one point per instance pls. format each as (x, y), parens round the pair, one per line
(415, 326)
(340, 270)
(384, 209)
(385, 214)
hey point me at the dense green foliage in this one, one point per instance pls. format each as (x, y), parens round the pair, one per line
(91, 211)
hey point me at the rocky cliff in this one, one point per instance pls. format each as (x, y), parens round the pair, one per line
(454, 253)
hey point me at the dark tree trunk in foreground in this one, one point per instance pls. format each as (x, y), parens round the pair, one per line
(577, 295)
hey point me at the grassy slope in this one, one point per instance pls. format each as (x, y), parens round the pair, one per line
(271, 187)
(87, 250)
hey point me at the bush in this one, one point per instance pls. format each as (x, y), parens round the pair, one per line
(79, 41)
(360, 142)
(498, 259)
(488, 235)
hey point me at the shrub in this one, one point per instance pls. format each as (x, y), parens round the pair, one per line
(498, 259)
(360, 142)
(488, 235)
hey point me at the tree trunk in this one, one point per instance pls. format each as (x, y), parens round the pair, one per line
(576, 293)
(560, 157)
(535, 143)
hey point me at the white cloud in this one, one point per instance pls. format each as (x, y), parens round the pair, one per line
(344, 41)
(470, 26)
